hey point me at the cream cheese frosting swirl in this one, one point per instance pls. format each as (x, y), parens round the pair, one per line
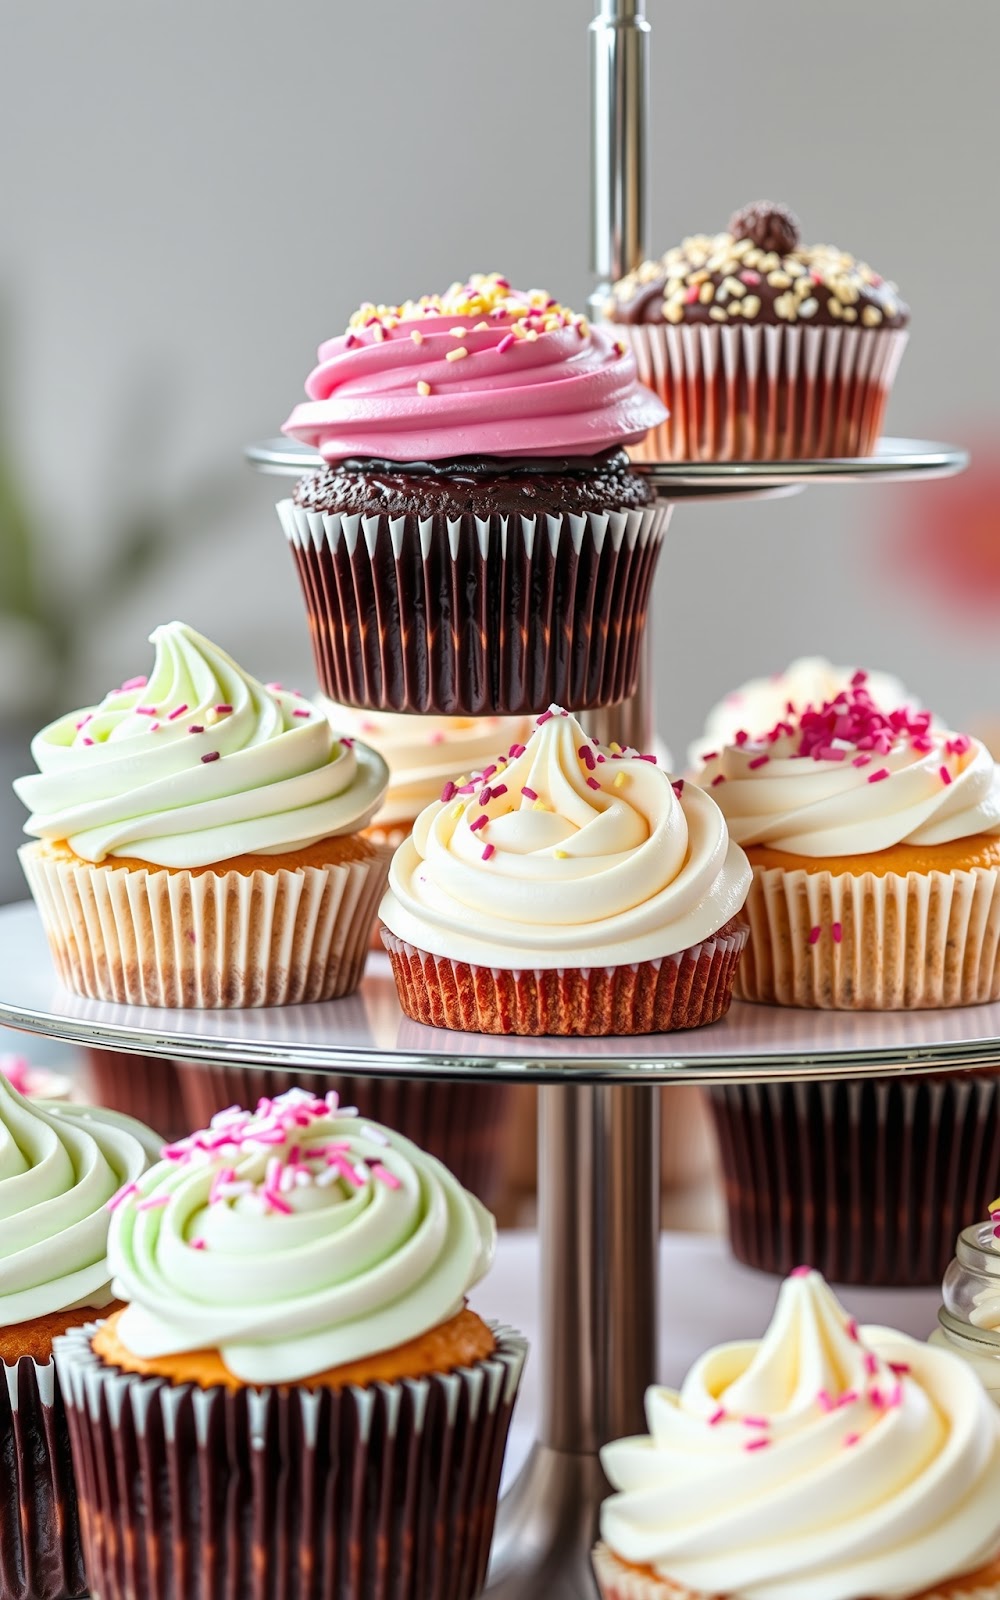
(196, 765)
(59, 1167)
(422, 753)
(759, 703)
(564, 853)
(822, 1461)
(850, 778)
(484, 370)
(294, 1239)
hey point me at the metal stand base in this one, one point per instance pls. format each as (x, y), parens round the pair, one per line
(598, 1217)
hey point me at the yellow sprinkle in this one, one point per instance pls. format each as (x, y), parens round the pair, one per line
(619, 780)
(423, 387)
(994, 1205)
(458, 333)
(211, 715)
(561, 855)
(457, 811)
(456, 355)
(481, 327)
(539, 805)
(615, 747)
(417, 336)
(378, 333)
(531, 335)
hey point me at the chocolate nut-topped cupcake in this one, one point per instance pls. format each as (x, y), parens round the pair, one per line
(477, 542)
(762, 348)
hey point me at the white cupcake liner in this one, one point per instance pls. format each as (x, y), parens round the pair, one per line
(40, 1555)
(765, 392)
(620, 1582)
(474, 615)
(217, 939)
(923, 941)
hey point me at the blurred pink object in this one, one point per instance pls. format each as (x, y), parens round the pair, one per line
(38, 1082)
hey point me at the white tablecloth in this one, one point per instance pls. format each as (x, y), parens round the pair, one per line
(705, 1299)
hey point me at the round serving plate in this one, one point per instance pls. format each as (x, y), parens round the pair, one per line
(895, 461)
(368, 1033)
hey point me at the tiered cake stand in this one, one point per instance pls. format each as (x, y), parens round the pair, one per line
(599, 1100)
(599, 1110)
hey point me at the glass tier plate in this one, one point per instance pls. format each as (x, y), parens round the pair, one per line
(895, 461)
(367, 1033)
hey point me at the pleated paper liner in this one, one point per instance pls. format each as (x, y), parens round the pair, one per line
(40, 1554)
(476, 615)
(382, 1493)
(224, 939)
(765, 393)
(867, 943)
(686, 990)
(871, 1182)
(391, 836)
(145, 1087)
(465, 1125)
(620, 1582)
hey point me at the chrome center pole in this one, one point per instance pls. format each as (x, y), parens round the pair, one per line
(598, 1217)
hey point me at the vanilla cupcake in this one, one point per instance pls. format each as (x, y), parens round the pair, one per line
(567, 888)
(296, 1368)
(759, 703)
(874, 838)
(200, 839)
(822, 1462)
(59, 1168)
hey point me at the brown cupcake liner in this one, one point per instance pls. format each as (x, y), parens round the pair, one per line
(864, 943)
(40, 1554)
(871, 1181)
(465, 1125)
(145, 1087)
(160, 938)
(686, 990)
(617, 1581)
(382, 1493)
(765, 393)
(476, 615)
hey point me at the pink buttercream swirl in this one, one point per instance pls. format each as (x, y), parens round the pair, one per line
(482, 371)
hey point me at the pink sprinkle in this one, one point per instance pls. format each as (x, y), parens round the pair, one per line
(756, 1444)
(545, 717)
(154, 727)
(945, 776)
(876, 777)
(529, 794)
(710, 755)
(960, 745)
(586, 755)
(153, 1202)
(505, 343)
(898, 1368)
(448, 792)
(756, 1422)
(179, 712)
(758, 761)
(134, 683)
(815, 935)
(849, 1398)
(516, 750)
(861, 761)
(826, 1401)
(838, 932)
(276, 1203)
(896, 1398)
(645, 756)
(692, 295)
(498, 790)
(86, 740)
(851, 1439)
(871, 1364)
(800, 1272)
(485, 795)
(223, 711)
(196, 727)
(123, 1194)
(298, 712)
(84, 720)
(717, 1417)
(749, 276)
(593, 783)
(145, 711)
(720, 777)
(488, 850)
(851, 1328)
(480, 822)
(678, 787)
(876, 1397)
(213, 755)
(198, 1244)
(385, 1176)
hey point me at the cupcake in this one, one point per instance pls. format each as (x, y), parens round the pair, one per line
(822, 1462)
(147, 1087)
(199, 839)
(568, 889)
(874, 838)
(760, 347)
(296, 1398)
(36, 1083)
(59, 1167)
(969, 1319)
(762, 702)
(477, 542)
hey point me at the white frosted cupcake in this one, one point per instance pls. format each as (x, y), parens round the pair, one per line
(874, 837)
(822, 1462)
(567, 888)
(758, 704)
(200, 839)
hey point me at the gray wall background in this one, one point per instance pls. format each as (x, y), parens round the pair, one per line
(194, 194)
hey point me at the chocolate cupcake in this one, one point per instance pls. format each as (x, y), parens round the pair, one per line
(296, 1399)
(59, 1168)
(477, 542)
(760, 347)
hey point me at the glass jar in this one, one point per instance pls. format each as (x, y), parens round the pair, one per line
(970, 1317)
